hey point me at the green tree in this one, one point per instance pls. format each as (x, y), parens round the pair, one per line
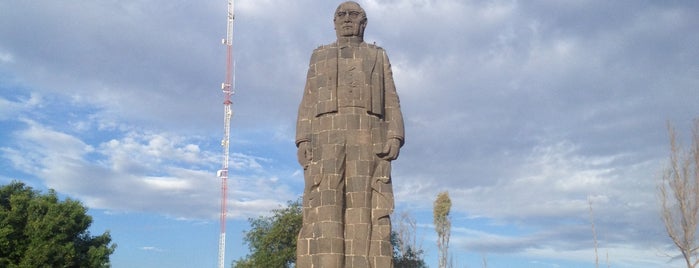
(39, 230)
(406, 251)
(272, 239)
(408, 257)
(442, 224)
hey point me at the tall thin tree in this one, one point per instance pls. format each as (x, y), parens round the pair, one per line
(442, 224)
(406, 230)
(594, 233)
(406, 251)
(679, 196)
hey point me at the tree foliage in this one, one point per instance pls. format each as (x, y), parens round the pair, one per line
(442, 224)
(405, 255)
(39, 230)
(272, 239)
(679, 194)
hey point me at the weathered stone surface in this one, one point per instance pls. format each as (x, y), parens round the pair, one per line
(348, 131)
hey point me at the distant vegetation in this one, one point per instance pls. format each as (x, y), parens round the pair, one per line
(272, 241)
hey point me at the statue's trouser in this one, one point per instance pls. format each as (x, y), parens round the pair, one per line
(339, 228)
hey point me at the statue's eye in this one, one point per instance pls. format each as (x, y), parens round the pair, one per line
(341, 14)
(354, 14)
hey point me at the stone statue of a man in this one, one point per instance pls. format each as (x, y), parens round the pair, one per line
(349, 129)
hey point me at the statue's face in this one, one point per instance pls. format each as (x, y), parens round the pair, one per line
(350, 20)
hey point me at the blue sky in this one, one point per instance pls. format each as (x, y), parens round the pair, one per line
(526, 112)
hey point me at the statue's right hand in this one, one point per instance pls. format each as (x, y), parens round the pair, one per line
(304, 154)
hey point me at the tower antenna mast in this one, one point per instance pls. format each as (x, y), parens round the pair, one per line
(228, 91)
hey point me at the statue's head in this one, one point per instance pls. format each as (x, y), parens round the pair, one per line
(350, 20)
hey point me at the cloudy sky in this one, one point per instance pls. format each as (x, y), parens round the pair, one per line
(527, 112)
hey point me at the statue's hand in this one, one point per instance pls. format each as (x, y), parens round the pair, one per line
(390, 150)
(304, 154)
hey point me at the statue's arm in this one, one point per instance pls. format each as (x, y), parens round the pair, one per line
(303, 121)
(303, 131)
(393, 115)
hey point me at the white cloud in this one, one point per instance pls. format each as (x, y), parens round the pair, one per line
(12, 109)
(6, 58)
(523, 110)
(152, 249)
(547, 195)
(156, 172)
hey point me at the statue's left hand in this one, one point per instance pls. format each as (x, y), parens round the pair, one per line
(390, 150)
(304, 154)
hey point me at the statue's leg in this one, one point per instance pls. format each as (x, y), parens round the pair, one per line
(329, 227)
(381, 254)
(306, 245)
(360, 157)
(381, 249)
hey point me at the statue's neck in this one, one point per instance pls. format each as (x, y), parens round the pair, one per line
(349, 40)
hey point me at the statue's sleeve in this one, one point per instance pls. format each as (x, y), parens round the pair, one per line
(303, 122)
(393, 115)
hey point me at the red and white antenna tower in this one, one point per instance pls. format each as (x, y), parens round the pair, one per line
(227, 88)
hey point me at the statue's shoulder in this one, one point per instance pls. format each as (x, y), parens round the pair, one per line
(374, 46)
(322, 52)
(323, 48)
